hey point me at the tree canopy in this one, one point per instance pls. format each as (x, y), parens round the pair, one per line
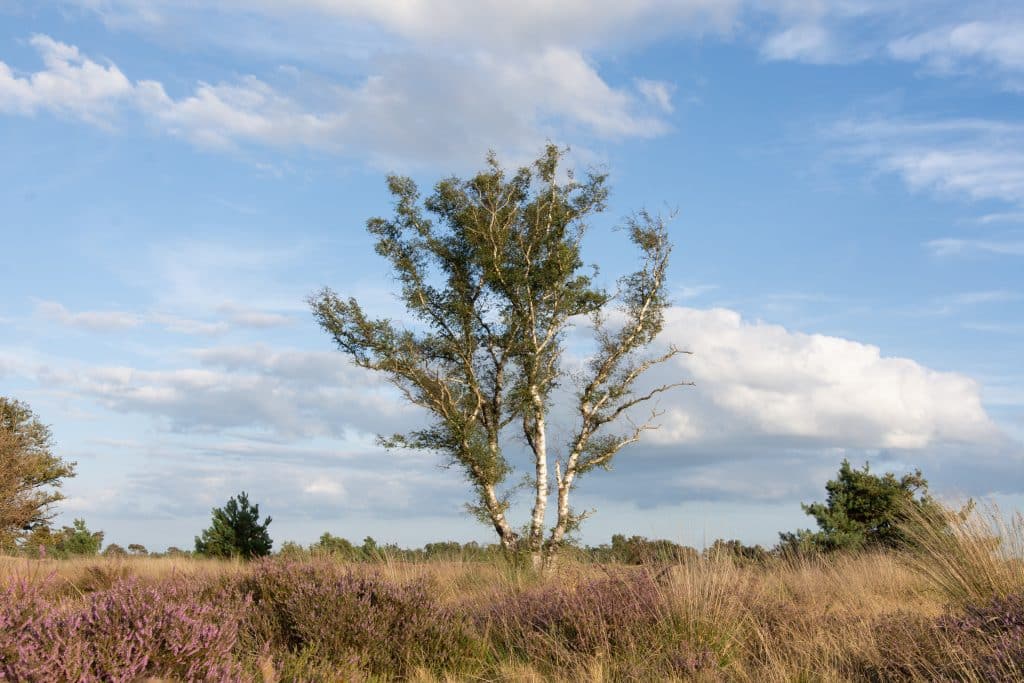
(236, 531)
(864, 510)
(490, 271)
(30, 473)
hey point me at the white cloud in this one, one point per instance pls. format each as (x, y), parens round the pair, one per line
(985, 297)
(757, 382)
(657, 92)
(289, 393)
(949, 246)
(1002, 217)
(693, 291)
(324, 487)
(70, 85)
(996, 44)
(96, 321)
(242, 316)
(232, 316)
(494, 25)
(804, 42)
(179, 325)
(410, 106)
(228, 114)
(976, 158)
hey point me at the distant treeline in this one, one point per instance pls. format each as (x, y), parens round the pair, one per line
(634, 550)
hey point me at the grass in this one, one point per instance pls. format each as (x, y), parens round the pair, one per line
(952, 610)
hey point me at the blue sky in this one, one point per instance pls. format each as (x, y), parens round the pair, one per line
(849, 180)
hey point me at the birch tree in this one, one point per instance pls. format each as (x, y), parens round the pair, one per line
(491, 274)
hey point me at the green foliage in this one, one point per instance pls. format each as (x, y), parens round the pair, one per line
(137, 549)
(77, 540)
(292, 551)
(737, 550)
(491, 269)
(236, 531)
(336, 546)
(114, 550)
(638, 550)
(30, 473)
(863, 510)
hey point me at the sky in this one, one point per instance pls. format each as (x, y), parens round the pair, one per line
(176, 179)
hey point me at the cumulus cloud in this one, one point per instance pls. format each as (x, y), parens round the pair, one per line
(759, 381)
(96, 321)
(70, 85)
(756, 382)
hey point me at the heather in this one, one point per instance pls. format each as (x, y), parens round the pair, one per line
(870, 616)
(169, 629)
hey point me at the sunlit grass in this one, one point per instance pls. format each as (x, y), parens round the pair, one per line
(922, 615)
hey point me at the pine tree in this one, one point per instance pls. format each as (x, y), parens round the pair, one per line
(863, 510)
(236, 531)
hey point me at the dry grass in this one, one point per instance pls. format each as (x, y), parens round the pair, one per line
(882, 616)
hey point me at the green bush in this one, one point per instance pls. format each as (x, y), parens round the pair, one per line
(863, 510)
(236, 531)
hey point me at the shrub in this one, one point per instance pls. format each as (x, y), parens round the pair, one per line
(124, 633)
(862, 510)
(336, 546)
(990, 637)
(114, 550)
(353, 620)
(737, 551)
(236, 531)
(78, 540)
(625, 618)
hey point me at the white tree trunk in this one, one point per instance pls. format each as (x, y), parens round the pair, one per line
(540, 501)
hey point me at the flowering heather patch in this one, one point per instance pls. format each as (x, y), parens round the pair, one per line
(626, 618)
(123, 633)
(356, 620)
(991, 636)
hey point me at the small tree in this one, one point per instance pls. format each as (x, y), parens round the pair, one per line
(137, 549)
(330, 544)
(30, 473)
(491, 269)
(77, 540)
(863, 510)
(236, 531)
(114, 550)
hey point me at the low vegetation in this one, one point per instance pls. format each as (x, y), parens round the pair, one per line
(915, 613)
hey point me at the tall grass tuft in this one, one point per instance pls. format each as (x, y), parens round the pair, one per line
(970, 556)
